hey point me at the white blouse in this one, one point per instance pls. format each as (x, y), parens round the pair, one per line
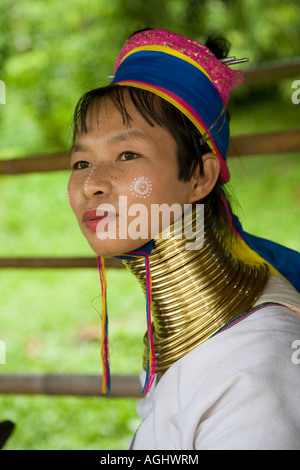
(239, 390)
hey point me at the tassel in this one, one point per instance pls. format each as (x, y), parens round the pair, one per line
(104, 326)
(151, 361)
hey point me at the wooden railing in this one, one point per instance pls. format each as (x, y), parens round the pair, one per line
(272, 72)
(239, 146)
(68, 384)
(287, 141)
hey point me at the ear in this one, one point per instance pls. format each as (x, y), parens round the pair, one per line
(202, 185)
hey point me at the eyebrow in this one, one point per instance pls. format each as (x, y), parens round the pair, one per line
(126, 135)
(123, 136)
(76, 147)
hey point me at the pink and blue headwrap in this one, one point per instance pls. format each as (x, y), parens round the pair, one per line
(186, 74)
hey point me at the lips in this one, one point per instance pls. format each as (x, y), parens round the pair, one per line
(93, 221)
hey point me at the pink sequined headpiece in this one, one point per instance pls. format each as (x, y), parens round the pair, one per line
(223, 78)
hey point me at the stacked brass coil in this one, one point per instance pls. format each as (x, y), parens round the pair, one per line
(195, 292)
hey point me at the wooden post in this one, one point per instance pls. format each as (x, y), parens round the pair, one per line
(243, 145)
(272, 72)
(69, 384)
(57, 263)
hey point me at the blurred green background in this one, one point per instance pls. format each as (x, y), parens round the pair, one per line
(51, 52)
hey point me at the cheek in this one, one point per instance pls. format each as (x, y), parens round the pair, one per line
(159, 187)
(141, 187)
(172, 191)
(73, 193)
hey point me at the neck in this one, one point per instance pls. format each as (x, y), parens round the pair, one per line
(195, 292)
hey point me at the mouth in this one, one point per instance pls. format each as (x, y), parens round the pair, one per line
(94, 222)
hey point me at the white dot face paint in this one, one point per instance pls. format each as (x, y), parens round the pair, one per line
(69, 199)
(87, 180)
(141, 187)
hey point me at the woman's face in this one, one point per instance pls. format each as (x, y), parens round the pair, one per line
(120, 174)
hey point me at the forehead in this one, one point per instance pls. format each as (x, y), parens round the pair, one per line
(105, 110)
(117, 122)
(102, 103)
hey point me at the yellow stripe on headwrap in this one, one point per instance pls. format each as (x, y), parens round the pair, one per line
(173, 52)
(177, 105)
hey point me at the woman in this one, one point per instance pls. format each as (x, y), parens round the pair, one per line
(225, 311)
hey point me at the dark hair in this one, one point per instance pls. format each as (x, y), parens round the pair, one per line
(157, 110)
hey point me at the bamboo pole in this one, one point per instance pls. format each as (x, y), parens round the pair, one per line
(265, 144)
(256, 75)
(57, 263)
(69, 385)
(272, 72)
(35, 164)
(243, 145)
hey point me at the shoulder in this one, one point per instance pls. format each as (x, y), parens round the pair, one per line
(245, 393)
(259, 346)
(236, 390)
(267, 333)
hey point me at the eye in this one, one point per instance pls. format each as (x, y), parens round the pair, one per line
(125, 156)
(80, 165)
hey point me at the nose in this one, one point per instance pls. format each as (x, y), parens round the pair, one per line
(97, 183)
